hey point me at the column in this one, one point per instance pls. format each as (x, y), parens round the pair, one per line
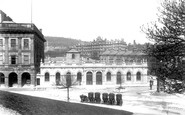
(104, 81)
(19, 79)
(83, 78)
(19, 51)
(6, 51)
(33, 78)
(6, 79)
(94, 77)
(32, 51)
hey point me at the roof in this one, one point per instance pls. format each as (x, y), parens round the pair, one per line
(122, 53)
(73, 51)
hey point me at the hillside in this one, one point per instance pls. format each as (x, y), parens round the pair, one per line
(61, 41)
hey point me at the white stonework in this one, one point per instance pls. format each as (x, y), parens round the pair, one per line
(62, 68)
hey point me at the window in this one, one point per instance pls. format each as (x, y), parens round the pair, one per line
(2, 78)
(13, 43)
(13, 59)
(108, 76)
(47, 76)
(138, 76)
(26, 59)
(73, 56)
(118, 81)
(26, 43)
(128, 76)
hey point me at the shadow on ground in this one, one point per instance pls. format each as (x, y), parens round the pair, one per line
(28, 105)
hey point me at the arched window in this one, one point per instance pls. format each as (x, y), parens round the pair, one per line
(73, 56)
(128, 76)
(108, 76)
(57, 78)
(118, 81)
(89, 78)
(46, 76)
(138, 76)
(79, 77)
(98, 78)
(68, 79)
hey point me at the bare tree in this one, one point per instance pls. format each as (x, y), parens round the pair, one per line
(68, 81)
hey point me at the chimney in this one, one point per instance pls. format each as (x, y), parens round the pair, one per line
(40, 30)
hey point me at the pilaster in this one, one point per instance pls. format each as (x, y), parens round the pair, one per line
(6, 51)
(19, 51)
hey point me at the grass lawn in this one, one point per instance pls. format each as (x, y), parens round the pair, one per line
(28, 105)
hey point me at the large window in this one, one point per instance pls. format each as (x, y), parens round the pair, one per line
(13, 43)
(108, 76)
(26, 43)
(118, 81)
(13, 59)
(73, 56)
(79, 77)
(26, 59)
(89, 78)
(47, 76)
(98, 78)
(138, 76)
(128, 76)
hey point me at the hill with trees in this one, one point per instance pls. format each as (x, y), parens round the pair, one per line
(61, 41)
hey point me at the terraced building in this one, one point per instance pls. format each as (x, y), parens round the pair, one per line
(21, 51)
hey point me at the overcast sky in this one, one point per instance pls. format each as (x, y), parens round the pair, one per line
(85, 19)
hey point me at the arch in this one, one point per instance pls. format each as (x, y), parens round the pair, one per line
(128, 76)
(12, 79)
(25, 80)
(79, 77)
(138, 76)
(73, 56)
(99, 78)
(68, 79)
(57, 78)
(108, 76)
(118, 76)
(47, 76)
(89, 78)
(2, 78)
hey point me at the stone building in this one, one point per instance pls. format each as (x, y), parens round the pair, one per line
(21, 51)
(95, 48)
(86, 73)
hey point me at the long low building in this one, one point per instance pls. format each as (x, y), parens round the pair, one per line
(87, 72)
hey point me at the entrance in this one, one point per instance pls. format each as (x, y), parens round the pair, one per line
(12, 79)
(25, 79)
(57, 78)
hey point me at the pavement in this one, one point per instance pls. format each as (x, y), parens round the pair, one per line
(139, 100)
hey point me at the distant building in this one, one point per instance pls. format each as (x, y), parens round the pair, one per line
(127, 68)
(95, 48)
(21, 51)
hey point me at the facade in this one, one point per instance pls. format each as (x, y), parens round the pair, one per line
(95, 48)
(86, 73)
(21, 51)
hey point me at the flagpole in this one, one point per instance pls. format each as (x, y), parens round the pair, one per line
(31, 11)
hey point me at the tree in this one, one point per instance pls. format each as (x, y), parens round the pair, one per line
(167, 34)
(68, 81)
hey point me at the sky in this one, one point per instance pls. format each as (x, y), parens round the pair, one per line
(85, 19)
